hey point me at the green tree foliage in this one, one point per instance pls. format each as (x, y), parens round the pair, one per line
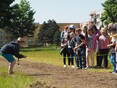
(110, 11)
(47, 32)
(42, 32)
(23, 24)
(21, 21)
(5, 12)
(57, 38)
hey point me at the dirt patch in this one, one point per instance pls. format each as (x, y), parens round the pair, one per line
(39, 84)
(49, 76)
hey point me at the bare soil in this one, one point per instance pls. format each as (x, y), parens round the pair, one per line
(49, 76)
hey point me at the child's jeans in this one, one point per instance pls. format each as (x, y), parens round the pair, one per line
(113, 60)
(81, 59)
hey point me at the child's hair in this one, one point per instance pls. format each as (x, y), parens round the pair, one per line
(72, 34)
(101, 26)
(86, 33)
(93, 27)
(113, 29)
(104, 29)
(84, 29)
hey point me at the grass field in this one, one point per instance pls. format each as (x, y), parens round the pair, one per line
(14, 81)
(47, 55)
(44, 55)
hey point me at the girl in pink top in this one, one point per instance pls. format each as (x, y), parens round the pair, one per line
(90, 47)
(103, 50)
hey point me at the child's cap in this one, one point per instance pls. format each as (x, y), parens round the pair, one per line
(78, 29)
(20, 39)
(71, 26)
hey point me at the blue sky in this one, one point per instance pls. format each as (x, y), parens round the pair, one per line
(64, 11)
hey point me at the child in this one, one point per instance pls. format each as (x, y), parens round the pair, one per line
(64, 45)
(90, 47)
(103, 49)
(112, 50)
(71, 46)
(80, 49)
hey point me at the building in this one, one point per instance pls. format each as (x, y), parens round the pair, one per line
(87, 23)
(61, 25)
(95, 18)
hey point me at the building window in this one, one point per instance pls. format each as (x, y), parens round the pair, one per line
(98, 23)
(98, 16)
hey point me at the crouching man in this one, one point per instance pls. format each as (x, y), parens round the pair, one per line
(10, 50)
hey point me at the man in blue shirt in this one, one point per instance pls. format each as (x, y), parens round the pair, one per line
(10, 50)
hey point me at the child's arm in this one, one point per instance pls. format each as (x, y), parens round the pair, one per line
(113, 43)
(110, 45)
(116, 47)
(64, 44)
(94, 43)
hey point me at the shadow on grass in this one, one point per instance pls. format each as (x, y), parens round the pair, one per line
(41, 49)
(38, 74)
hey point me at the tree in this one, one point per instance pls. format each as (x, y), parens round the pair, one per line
(25, 22)
(42, 31)
(47, 31)
(21, 22)
(52, 28)
(110, 11)
(5, 12)
(57, 38)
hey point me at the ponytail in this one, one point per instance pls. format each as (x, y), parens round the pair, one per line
(86, 34)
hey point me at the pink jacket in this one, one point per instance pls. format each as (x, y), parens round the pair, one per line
(104, 41)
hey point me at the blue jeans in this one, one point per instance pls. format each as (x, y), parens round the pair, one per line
(81, 59)
(71, 52)
(113, 60)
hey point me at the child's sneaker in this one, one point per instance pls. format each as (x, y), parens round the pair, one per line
(68, 65)
(87, 67)
(77, 67)
(114, 72)
(64, 66)
(72, 66)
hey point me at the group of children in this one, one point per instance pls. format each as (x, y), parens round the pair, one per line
(83, 44)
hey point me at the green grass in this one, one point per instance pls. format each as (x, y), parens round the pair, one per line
(44, 55)
(18, 80)
(49, 55)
